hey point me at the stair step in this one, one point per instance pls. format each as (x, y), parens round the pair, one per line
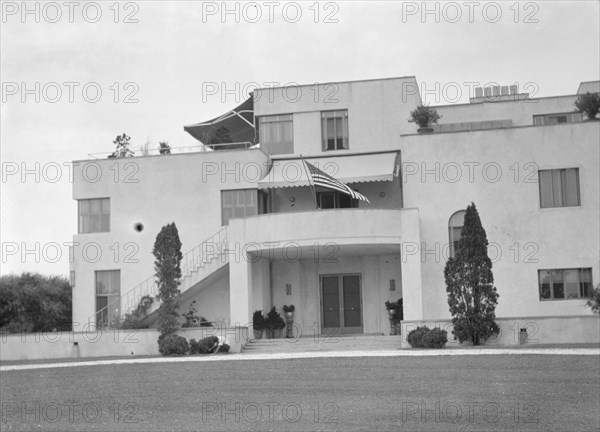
(309, 344)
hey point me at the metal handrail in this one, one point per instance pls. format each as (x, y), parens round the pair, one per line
(199, 257)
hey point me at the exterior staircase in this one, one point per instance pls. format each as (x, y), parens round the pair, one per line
(323, 344)
(197, 264)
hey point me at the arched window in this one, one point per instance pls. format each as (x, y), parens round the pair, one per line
(455, 225)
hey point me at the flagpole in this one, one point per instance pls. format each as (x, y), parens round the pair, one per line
(312, 186)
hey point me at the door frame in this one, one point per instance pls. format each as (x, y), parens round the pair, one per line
(332, 332)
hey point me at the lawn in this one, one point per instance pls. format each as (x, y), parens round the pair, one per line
(466, 393)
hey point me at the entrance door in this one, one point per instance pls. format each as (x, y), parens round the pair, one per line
(341, 304)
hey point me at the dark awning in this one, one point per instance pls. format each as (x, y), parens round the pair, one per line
(239, 122)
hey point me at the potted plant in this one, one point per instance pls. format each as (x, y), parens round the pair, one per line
(395, 315)
(589, 104)
(275, 324)
(424, 116)
(258, 324)
(289, 318)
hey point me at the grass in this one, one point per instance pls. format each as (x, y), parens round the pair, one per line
(482, 393)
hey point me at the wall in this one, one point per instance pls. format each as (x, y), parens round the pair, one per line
(540, 330)
(525, 237)
(377, 111)
(212, 301)
(108, 343)
(180, 188)
(521, 112)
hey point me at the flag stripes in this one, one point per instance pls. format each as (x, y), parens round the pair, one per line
(320, 178)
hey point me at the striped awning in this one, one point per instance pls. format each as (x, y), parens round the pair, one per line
(352, 168)
(239, 122)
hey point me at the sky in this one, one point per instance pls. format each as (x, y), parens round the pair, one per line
(76, 75)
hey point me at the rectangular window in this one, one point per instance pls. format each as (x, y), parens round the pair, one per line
(276, 134)
(559, 187)
(552, 119)
(565, 284)
(94, 215)
(108, 294)
(329, 200)
(241, 203)
(334, 130)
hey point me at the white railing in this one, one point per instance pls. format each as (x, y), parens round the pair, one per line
(176, 150)
(197, 264)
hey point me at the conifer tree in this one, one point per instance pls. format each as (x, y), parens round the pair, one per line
(167, 251)
(472, 296)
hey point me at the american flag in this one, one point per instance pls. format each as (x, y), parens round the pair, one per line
(320, 178)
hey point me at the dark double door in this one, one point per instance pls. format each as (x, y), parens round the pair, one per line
(341, 304)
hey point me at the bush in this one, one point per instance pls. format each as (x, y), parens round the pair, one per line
(274, 320)
(593, 302)
(423, 337)
(172, 344)
(258, 320)
(589, 104)
(203, 346)
(424, 116)
(135, 319)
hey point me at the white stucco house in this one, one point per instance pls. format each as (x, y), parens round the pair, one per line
(254, 238)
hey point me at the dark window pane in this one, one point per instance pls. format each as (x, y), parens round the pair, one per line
(571, 187)
(545, 281)
(546, 197)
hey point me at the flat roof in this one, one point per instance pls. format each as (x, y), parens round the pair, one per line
(336, 82)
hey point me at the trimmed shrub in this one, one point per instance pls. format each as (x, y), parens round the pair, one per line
(424, 337)
(172, 344)
(258, 320)
(204, 345)
(274, 320)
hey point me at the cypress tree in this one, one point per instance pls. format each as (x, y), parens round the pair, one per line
(472, 296)
(167, 251)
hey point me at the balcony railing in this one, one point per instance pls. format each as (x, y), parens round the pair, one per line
(178, 150)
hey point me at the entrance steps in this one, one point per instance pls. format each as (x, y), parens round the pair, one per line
(322, 343)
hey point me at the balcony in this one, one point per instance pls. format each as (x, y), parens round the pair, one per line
(343, 227)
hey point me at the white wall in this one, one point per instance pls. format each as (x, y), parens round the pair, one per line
(378, 111)
(521, 112)
(528, 237)
(180, 188)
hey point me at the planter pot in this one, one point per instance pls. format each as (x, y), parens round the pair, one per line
(425, 130)
(277, 333)
(398, 328)
(289, 330)
(523, 336)
(258, 334)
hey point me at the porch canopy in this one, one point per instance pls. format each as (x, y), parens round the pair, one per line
(239, 122)
(350, 168)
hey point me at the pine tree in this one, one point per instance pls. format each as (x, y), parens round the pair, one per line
(472, 296)
(167, 251)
